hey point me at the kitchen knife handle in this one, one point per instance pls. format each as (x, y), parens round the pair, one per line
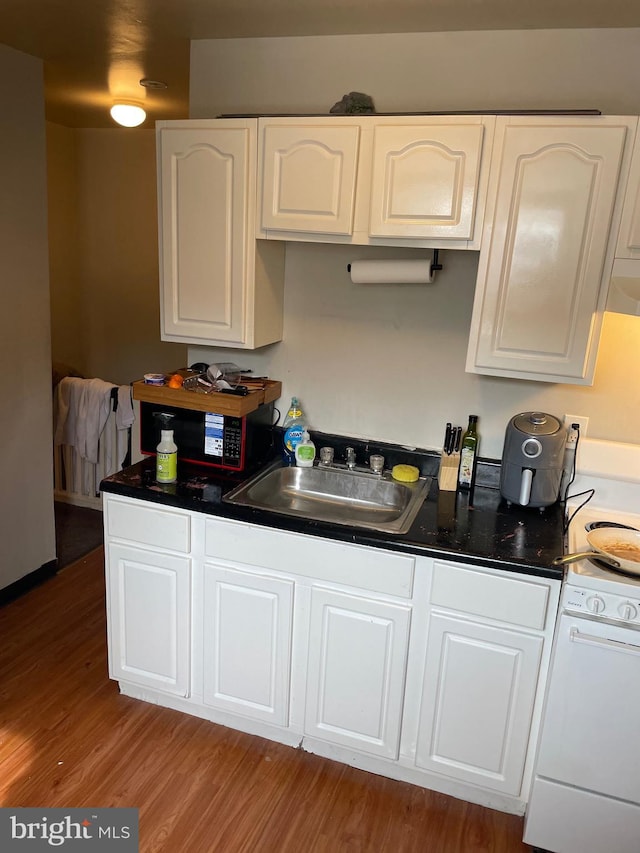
(447, 439)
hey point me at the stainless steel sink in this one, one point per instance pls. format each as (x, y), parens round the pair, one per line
(356, 498)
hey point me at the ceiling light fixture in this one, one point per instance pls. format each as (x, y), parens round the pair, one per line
(128, 115)
(148, 83)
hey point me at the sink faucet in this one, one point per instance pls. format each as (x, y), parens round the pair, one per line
(375, 466)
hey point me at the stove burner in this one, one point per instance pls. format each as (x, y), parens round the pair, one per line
(607, 566)
(594, 525)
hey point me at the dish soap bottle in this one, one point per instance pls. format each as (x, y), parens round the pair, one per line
(469, 456)
(166, 458)
(293, 428)
(305, 451)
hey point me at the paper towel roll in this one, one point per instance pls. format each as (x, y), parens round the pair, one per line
(391, 272)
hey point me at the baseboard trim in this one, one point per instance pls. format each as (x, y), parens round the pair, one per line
(24, 584)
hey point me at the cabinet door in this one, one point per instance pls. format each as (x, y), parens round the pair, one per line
(540, 287)
(247, 643)
(629, 236)
(425, 180)
(309, 176)
(356, 671)
(477, 702)
(149, 618)
(205, 192)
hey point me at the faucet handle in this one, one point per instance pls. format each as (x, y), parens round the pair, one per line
(350, 456)
(326, 455)
(376, 463)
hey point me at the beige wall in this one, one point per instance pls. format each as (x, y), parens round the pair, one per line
(104, 285)
(528, 69)
(27, 537)
(388, 362)
(67, 329)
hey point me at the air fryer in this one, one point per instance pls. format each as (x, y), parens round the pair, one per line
(532, 460)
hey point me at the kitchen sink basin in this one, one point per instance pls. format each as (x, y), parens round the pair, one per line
(356, 498)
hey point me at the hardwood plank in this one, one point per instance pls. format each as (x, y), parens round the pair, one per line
(68, 738)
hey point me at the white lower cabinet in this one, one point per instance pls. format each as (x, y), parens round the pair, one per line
(427, 671)
(247, 623)
(149, 618)
(356, 671)
(477, 702)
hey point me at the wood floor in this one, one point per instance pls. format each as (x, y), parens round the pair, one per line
(67, 738)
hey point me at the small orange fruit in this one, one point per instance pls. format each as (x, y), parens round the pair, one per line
(175, 381)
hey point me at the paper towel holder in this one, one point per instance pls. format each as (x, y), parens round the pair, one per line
(435, 265)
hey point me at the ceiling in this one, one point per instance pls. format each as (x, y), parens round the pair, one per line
(97, 50)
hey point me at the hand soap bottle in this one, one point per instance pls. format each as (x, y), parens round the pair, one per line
(305, 451)
(166, 452)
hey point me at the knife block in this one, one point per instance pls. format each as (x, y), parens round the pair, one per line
(448, 473)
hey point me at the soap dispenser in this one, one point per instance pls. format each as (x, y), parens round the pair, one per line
(166, 451)
(305, 451)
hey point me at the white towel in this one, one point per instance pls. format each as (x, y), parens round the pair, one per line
(124, 412)
(81, 409)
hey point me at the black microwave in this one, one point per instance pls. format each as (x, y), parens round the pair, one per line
(209, 438)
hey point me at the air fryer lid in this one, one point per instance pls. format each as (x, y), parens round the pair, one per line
(536, 423)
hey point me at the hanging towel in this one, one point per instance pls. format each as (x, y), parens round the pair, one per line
(81, 409)
(124, 411)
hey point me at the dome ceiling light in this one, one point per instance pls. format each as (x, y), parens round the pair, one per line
(131, 113)
(128, 114)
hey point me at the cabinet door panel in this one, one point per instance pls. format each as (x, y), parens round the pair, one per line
(309, 177)
(541, 266)
(629, 237)
(247, 637)
(205, 178)
(425, 180)
(357, 659)
(149, 618)
(479, 689)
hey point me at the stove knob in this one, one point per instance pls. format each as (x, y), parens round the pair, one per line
(628, 611)
(595, 604)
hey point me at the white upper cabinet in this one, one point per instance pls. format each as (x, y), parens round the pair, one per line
(425, 177)
(629, 235)
(309, 176)
(377, 180)
(624, 289)
(217, 285)
(546, 249)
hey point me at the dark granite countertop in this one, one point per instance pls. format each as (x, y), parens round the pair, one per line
(481, 530)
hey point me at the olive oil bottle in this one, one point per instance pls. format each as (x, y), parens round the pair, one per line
(469, 456)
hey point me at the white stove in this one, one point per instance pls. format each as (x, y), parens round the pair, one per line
(585, 796)
(591, 587)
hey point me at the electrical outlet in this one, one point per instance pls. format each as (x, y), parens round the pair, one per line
(581, 420)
